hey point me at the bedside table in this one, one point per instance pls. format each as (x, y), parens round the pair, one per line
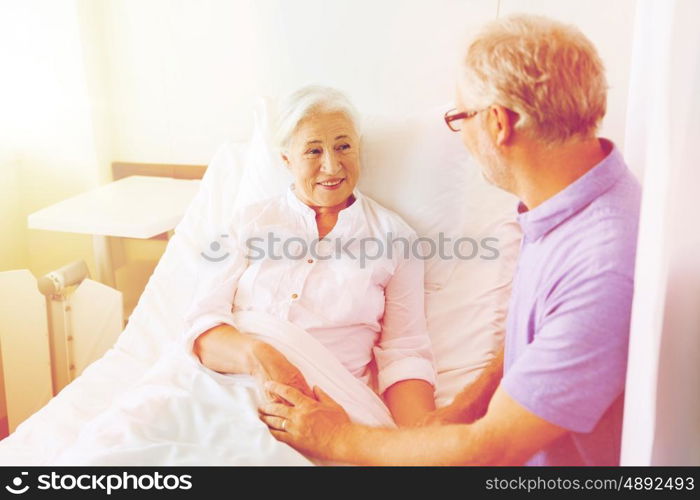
(133, 207)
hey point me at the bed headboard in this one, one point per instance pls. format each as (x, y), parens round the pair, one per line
(125, 169)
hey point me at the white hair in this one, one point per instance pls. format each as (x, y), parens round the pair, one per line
(304, 103)
(546, 71)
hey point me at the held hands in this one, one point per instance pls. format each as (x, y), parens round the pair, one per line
(268, 364)
(313, 425)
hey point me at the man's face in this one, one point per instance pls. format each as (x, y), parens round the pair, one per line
(478, 140)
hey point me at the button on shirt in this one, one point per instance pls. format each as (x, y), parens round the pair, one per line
(569, 317)
(358, 296)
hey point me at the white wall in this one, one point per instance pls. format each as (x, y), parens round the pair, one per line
(184, 73)
(47, 135)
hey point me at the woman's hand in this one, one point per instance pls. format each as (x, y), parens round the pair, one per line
(226, 350)
(268, 364)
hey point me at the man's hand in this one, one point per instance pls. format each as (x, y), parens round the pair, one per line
(268, 364)
(441, 416)
(472, 402)
(315, 427)
(459, 412)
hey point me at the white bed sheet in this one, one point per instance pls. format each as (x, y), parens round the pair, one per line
(39, 439)
(181, 413)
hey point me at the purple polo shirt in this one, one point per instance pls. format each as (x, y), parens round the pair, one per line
(569, 316)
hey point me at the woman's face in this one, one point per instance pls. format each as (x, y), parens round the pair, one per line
(324, 158)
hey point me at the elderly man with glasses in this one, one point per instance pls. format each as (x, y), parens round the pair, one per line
(529, 102)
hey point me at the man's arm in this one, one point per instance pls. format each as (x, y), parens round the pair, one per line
(470, 403)
(507, 434)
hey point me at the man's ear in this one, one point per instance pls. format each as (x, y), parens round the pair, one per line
(502, 124)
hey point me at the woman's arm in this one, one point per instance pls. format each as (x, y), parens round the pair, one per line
(225, 349)
(409, 401)
(403, 354)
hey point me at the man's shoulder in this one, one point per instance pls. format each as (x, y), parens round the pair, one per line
(604, 233)
(619, 204)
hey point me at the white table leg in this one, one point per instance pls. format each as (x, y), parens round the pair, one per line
(103, 260)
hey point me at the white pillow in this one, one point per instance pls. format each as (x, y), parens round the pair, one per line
(415, 166)
(466, 317)
(438, 188)
(265, 174)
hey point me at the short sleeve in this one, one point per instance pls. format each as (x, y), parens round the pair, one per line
(404, 350)
(217, 282)
(575, 366)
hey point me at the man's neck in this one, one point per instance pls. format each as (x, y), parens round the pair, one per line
(544, 172)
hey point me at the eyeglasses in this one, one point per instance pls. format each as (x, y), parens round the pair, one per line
(453, 117)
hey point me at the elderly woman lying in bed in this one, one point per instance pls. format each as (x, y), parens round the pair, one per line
(359, 307)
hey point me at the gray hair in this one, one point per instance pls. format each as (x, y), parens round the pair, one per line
(305, 102)
(546, 71)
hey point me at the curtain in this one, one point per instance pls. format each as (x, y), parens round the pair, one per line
(662, 407)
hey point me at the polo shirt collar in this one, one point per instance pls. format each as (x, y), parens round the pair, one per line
(552, 212)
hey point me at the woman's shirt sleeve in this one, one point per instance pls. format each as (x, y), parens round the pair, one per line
(404, 350)
(223, 261)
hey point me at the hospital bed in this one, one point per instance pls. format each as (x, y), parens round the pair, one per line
(433, 184)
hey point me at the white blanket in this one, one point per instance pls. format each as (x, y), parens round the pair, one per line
(181, 413)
